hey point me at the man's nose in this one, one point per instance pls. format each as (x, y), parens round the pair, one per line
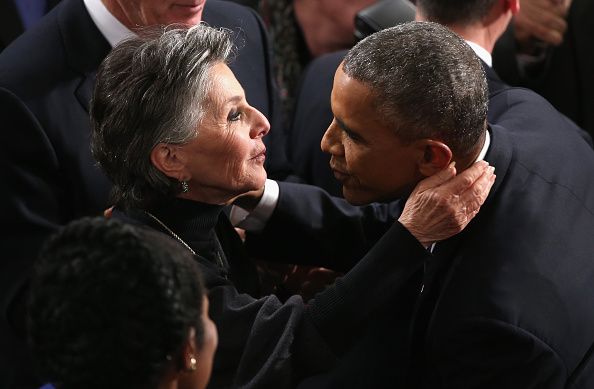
(330, 141)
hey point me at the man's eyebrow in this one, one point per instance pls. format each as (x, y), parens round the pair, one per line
(344, 127)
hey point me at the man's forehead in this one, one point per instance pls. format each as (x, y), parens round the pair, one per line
(351, 94)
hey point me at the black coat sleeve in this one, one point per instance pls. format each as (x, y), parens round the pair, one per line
(309, 226)
(29, 200)
(264, 343)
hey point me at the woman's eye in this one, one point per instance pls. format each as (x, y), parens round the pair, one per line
(234, 116)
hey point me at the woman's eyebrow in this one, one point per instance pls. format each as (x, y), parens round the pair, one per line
(234, 99)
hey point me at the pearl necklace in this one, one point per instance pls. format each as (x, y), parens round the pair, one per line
(173, 234)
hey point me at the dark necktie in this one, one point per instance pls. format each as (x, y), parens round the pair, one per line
(31, 11)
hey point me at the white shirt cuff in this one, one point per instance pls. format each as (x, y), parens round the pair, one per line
(256, 220)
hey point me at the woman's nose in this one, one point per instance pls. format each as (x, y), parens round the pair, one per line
(259, 125)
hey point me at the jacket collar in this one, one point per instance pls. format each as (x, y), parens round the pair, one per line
(85, 47)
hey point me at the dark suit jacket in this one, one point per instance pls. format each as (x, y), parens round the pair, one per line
(508, 302)
(566, 78)
(49, 176)
(11, 25)
(266, 343)
(313, 115)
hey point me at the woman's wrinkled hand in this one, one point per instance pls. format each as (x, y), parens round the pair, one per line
(442, 205)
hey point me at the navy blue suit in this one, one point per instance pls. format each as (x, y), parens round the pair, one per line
(46, 82)
(505, 304)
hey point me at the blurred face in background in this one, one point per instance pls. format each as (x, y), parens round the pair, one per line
(140, 13)
(328, 25)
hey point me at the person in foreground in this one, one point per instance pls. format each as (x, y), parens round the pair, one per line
(118, 306)
(172, 129)
(507, 303)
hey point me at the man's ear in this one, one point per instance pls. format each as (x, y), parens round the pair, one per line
(436, 157)
(167, 159)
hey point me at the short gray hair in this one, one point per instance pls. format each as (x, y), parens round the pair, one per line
(426, 83)
(151, 89)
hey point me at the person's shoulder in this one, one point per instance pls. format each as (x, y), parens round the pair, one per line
(524, 105)
(226, 6)
(220, 13)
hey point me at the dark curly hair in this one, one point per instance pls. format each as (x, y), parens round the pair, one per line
(111, 305)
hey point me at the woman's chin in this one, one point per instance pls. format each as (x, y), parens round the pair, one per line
(259, 180)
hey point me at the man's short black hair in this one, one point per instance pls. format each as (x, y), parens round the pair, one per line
(426, 83)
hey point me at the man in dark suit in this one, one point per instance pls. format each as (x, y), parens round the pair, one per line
(17, 15)
(506, 303)
(46, 81)
(313, 113)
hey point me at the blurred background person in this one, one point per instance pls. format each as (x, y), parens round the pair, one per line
(119, 306)
(301, 30)
(548, 48)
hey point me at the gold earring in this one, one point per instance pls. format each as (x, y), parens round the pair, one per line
(193, 364)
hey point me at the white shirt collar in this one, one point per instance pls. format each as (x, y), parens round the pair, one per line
(111, 28)
(488, 59)
(481, 53)
(485, 148)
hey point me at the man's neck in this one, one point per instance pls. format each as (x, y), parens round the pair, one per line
(116, 10)
(482, 36)
(484, 32)
(478, 153)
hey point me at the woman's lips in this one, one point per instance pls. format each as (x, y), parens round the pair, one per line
(260, 157)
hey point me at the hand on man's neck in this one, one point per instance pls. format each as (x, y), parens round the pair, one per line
(463, 163)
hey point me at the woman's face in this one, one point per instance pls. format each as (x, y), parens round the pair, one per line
(227, 156)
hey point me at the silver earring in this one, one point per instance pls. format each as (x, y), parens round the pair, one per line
(185, 187)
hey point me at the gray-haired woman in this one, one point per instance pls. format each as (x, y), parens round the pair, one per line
(173, 131)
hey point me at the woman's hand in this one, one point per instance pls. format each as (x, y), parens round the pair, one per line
(442, 205)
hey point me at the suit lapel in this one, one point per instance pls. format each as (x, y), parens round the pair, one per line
(84, 44)
(84, 91)
(493, 81)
